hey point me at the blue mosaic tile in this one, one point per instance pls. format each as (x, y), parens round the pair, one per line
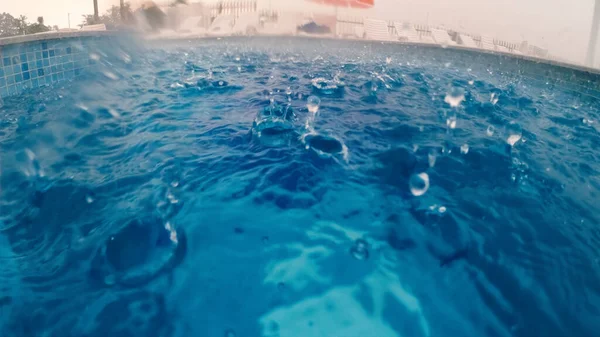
(30, 56)
(16, 68)
(46, 63)
(38, 55)
(12, 90)
(18, 78)
(15, 60)
(8, 71)
(23, 57)
(40, 72)
(26, 75)
(1, 72)
(44, 45)
(3, 91)
(77, 72)
(69, 74)
(54, 77)
(52, 53)
(38, 64)
(6, 61)
(68, 50)
(35, 83)
(33, 74)
(24, 67)
(45, 54)
(61, 76)
(31, 65)
(2, 82)
(10, 80)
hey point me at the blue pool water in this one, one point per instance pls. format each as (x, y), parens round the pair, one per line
(292, 187)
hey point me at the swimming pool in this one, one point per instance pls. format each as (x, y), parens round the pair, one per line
(298, 187)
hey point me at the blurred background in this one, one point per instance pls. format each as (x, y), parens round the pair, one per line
(560, 30)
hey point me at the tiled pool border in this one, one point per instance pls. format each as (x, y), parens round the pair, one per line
(31, 61)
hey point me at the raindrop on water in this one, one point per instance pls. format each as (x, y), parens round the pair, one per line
(514, 133)
(451, 121)
(464, 149)
(471, 82)
(360, 250)
(454, 97)
(431, 157)
(419, 184)
(388, 60)
(493, 98)
(490, 130)
(313, 104)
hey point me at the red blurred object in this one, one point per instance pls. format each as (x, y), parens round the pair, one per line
(346, 3)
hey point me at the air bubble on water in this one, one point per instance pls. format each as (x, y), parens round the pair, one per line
(419, 184)
(454, 97)
(490, 130)
(360, 250)
(431, 157)
(313, 103)
(493, 98)
(110, 75)
(471, 82)
(514, 133)
(464, 149)
(451, 121)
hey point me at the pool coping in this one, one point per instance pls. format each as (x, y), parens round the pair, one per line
(5, 41)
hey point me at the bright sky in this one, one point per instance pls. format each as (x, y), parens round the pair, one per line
(562, 26)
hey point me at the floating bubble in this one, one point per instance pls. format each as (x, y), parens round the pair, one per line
(490, 130)
(442, 209)
(313, 103)
(419, 184)
(464, 149)
(454, 97)
(360, 250)
(514, 133)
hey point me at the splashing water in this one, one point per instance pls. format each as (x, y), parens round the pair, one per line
(490, 130)
(493, 98)
(514, 133)
(313, 103)
(419, 184)
(431, 157)
(454, 97)
(451, 121)
(464, 149)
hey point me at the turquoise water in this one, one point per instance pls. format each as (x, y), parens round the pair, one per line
(293, 187)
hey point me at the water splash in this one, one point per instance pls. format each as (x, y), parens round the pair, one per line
(514, 133)
(431, 157)
(419, 184)
(454, 97)
(464, 149)
(451, 121)
(490, 130)
(493, 98)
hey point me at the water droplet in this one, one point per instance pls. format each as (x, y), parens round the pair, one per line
(388, 60)
(237, 58)
(442, 209)
(431, 157)
(111, 75)
(454, 97)
(288, 91)
(464, 149)
(451, 121)
(230, 333)
(89, 198)
(513, 177)
(514, 133)
(313, 104)
(493, 98)
(490, 130)
(360, 250)
(419, 184)
(174, 183)
(471, 82)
